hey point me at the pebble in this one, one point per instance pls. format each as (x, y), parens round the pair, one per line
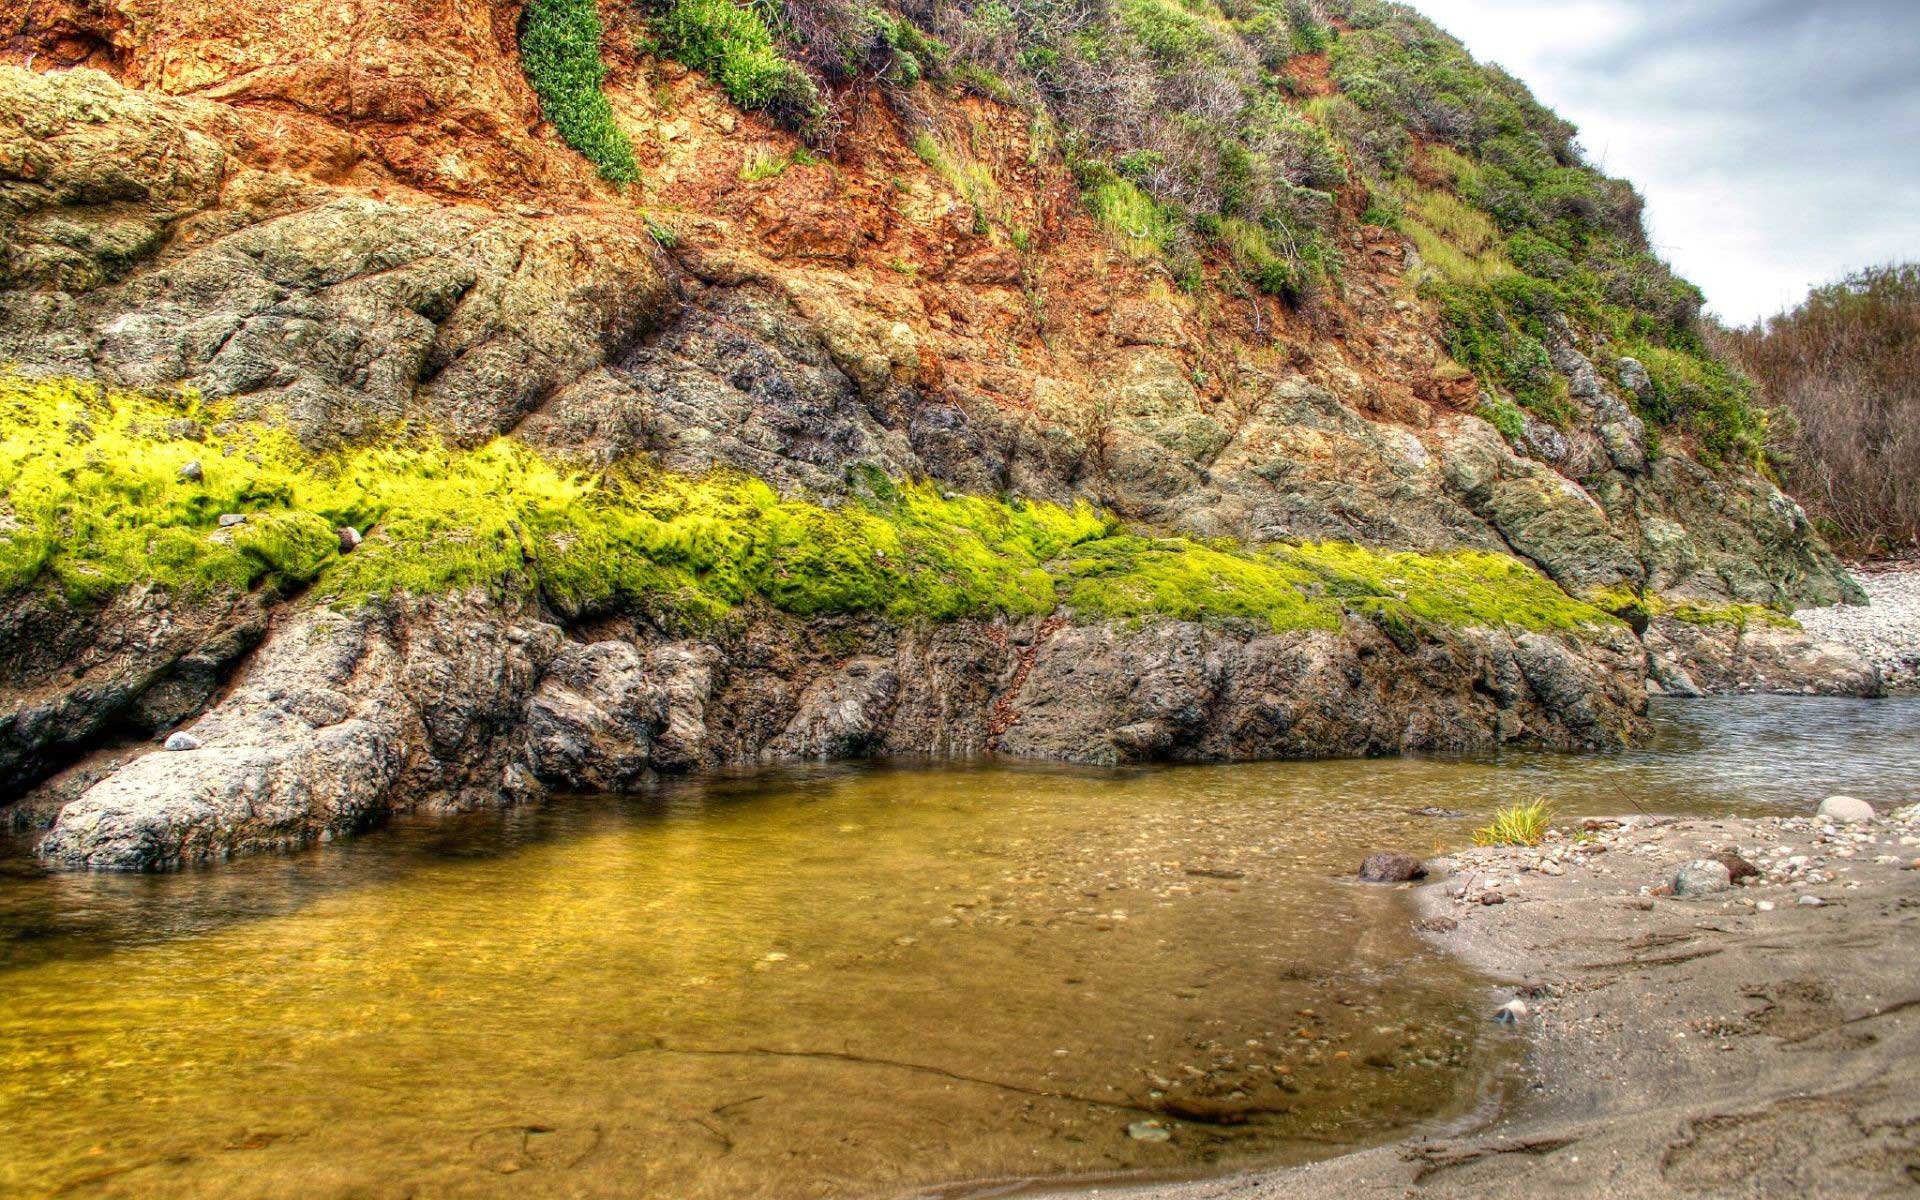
(229, 520)
(1149, 1131)
(181, 740)
(1812, 902)
(1512, 1012)
(192, 472)
(350, 539)
(1886, 629)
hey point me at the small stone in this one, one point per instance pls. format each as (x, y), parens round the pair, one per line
(1438, 925)
(1812, 902)
(1738, 868)
(1765, 906)
(180, 739)
(1512, 1012)
(1149, 1131)
(1384, 866)
(1492, 898)
(1552, 868)
(229, 520)
(192, 472)
(1846, 810)
(1702, 877)
(349, 539)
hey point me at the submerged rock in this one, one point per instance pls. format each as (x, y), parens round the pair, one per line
(1149, 1131)
(1383, 866)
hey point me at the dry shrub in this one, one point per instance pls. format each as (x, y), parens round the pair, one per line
(1845, 367)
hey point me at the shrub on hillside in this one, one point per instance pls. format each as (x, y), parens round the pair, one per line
(560, 52)
(1845, 366)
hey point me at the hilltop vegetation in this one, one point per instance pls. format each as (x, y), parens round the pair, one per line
(1844, 366)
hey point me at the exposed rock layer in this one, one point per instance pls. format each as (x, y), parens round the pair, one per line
(349, 218)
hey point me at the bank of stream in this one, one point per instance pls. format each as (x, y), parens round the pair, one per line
(845, 981)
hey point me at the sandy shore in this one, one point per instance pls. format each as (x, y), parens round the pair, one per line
(1742, 1043)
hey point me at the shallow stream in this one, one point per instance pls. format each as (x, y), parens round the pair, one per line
(849, 981)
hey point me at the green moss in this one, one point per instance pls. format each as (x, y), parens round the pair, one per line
(95, 503)
(1729, 615)
(1458, 588)
(1131, 576)
(560, 52)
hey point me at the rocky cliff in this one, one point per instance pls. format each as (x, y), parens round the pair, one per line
(428, 403)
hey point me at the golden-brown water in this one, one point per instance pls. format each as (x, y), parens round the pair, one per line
(834, 982)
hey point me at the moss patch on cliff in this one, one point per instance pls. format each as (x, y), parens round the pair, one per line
(1132, 576)
(560, 52)
(93, 499)
(107, 490)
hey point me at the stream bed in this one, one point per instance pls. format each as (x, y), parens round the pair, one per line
(846, 981)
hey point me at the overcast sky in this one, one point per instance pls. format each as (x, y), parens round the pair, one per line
(1777, 141)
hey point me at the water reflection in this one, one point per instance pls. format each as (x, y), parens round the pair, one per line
(837, 981)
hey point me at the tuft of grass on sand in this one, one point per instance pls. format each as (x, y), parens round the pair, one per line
(1523, 824)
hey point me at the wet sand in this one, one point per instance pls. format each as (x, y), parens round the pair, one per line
(1735, 1044)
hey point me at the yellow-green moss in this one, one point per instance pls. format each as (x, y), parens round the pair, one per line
(1732, 614)
(1458, 588)
(1132, 576)
(93, 500)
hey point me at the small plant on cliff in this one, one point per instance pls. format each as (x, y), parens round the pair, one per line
(560, 52)
(735, 47)
(1516, 825)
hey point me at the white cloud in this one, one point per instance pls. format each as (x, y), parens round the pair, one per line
(1777, 141)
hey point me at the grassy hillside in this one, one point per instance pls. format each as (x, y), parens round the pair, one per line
(1235, 139)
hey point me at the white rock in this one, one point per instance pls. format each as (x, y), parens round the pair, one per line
(1702, 877)
(181, 740)
(1811, 902)
(1512, 1012)
(1846, 810)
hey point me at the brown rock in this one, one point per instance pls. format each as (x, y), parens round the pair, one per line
(1385, 866)
(1738, 868)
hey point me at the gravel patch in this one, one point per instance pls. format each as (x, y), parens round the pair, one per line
(1886, 630)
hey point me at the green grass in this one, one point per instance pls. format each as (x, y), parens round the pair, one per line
(1522, 824)
(1144, 226)
(735, 47)
(560, 53)
(761, 163)
(1456, 241)
(94, 503)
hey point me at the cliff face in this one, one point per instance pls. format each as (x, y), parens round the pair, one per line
(277, 255)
